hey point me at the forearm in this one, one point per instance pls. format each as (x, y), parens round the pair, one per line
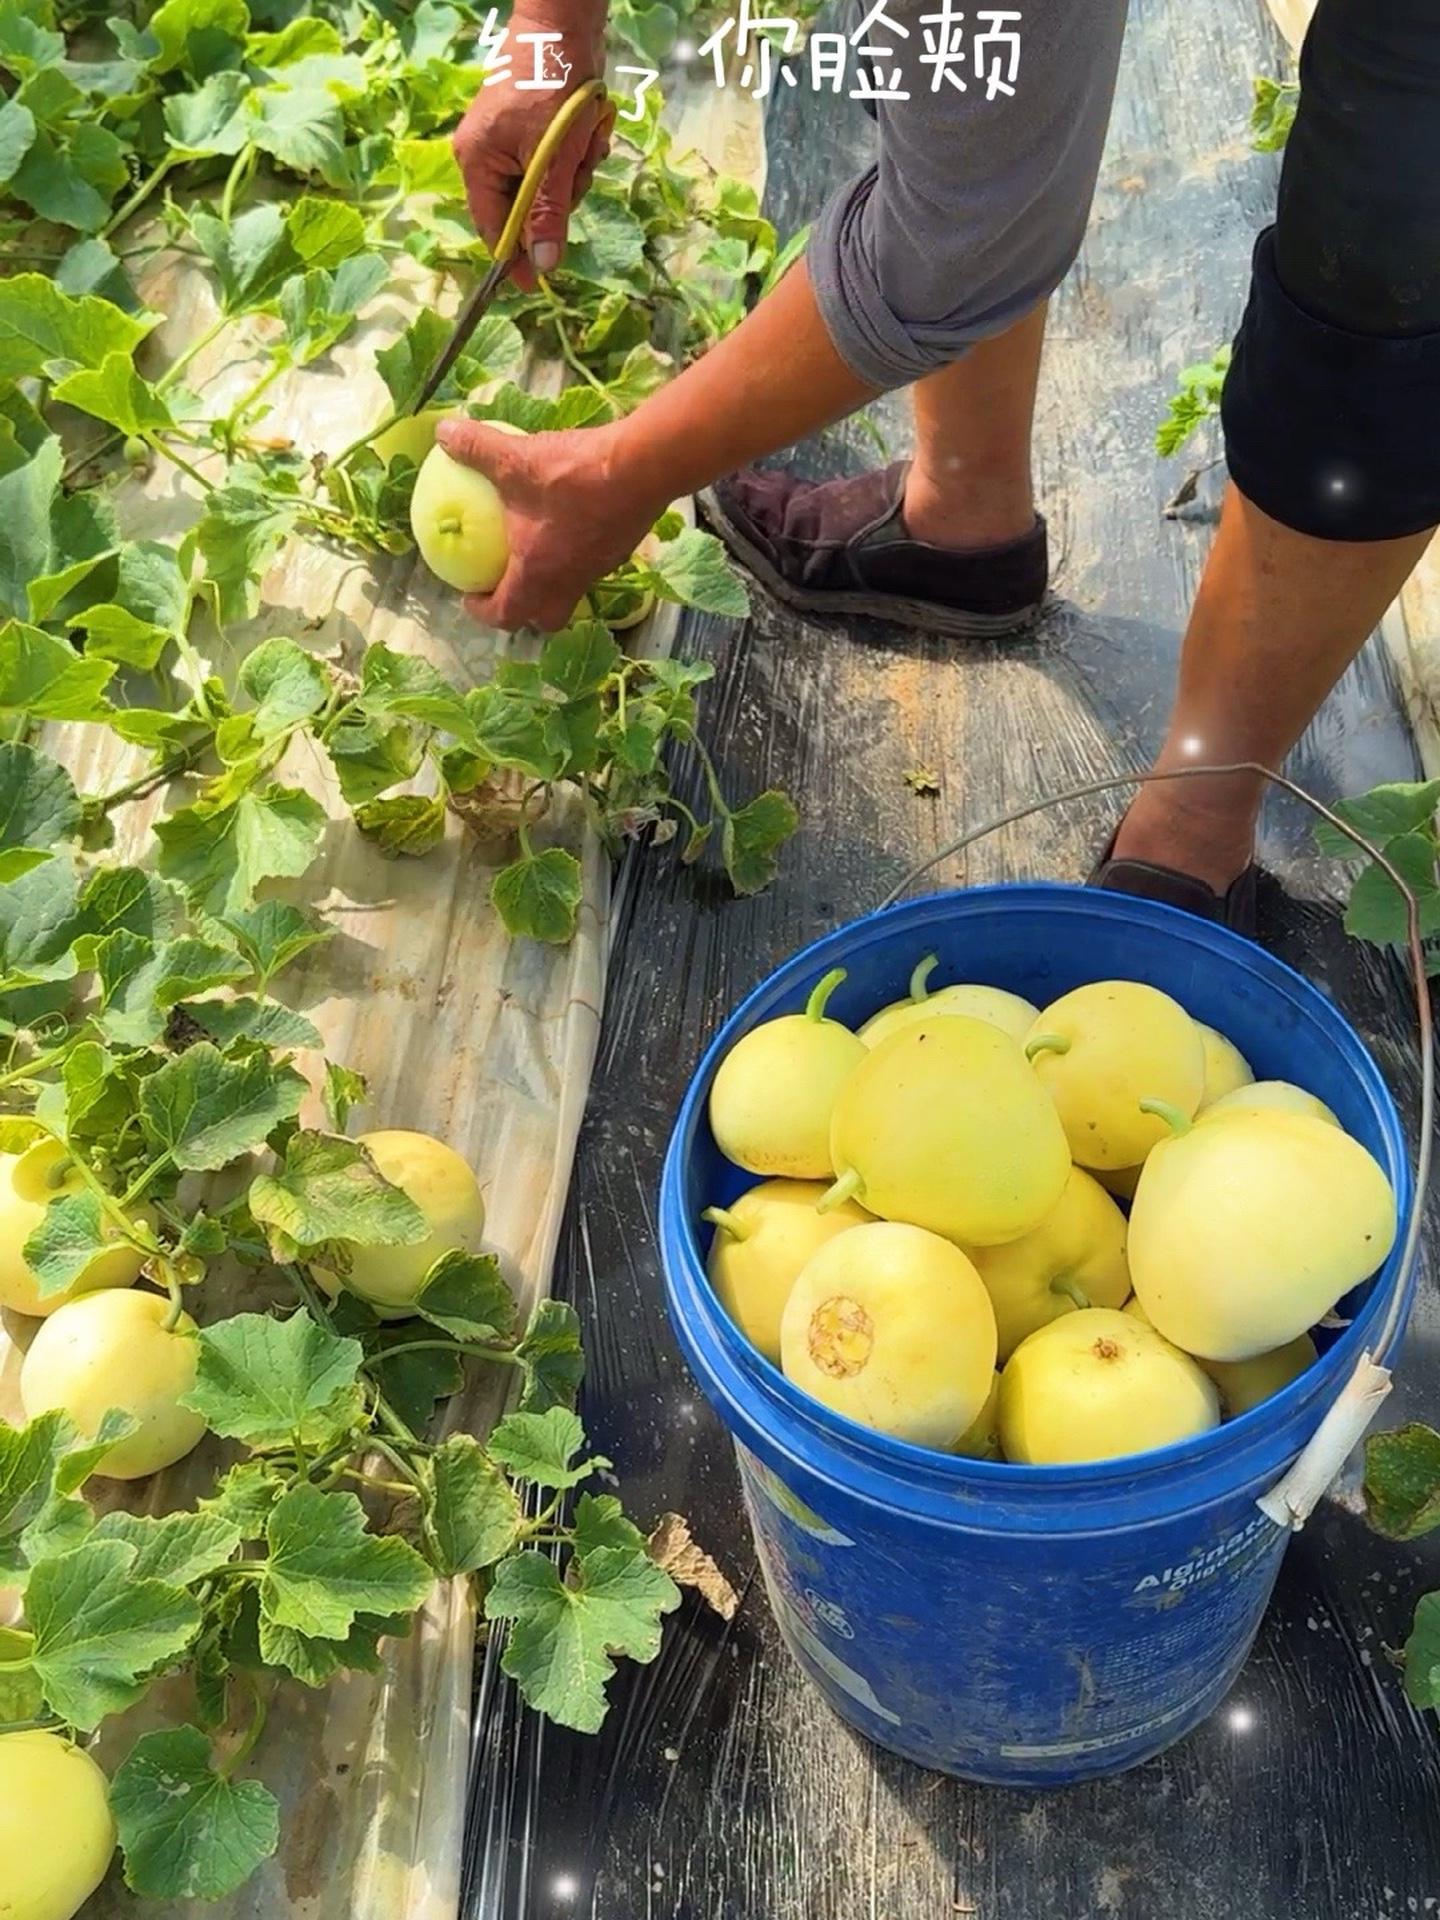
(772, 382)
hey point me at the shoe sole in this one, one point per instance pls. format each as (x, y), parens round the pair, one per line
(930, 615)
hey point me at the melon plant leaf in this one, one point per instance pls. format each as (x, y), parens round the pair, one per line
(466, 1294)
(188, 1832)
(209, 121)
(330, 1189)
(17, 136)
(1422, 1654)
(273, 934)
(263, 1023)
(38, 802)
(40, 920)
(44, 678)
(324, 1567)
(1402, 1481)
(1377, 909)
(251, 254)
(264, 1380)
(542, 1448)
(42, 327)
(694, 570)
(68, 1237)
(600, 1521)
(563, 1633)
(403, 684)
(286, 683)
(301, 127)
(413, 1382)
(179, 1547)
(344, 1091)
(319, 308)
(220, 855)
(404, 366)
(115, 393)
(100, 1632)
(1384, 813)
(539, 895)
(580, 659)
(315, 1662)
(751, 838)
(205, 1110)
(475, 1517)
(551, 1358)
(149, 607)
(403, 823)
(240, 533)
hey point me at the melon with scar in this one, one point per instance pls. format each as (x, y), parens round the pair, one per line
(1075, 1258)
(762, 1242)
(892, 1327)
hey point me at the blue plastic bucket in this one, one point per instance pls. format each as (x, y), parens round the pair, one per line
(1025, 1626)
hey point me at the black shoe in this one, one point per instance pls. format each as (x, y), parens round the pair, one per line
(1235, 908)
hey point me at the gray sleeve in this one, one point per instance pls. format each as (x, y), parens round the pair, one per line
(976, 207)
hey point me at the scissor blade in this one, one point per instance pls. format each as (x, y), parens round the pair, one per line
(470, 316)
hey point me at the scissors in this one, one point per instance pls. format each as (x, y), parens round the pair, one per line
(509, 246)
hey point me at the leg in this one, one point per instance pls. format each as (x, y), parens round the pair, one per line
(1329, 415)
(969, 483)
(1278, 617)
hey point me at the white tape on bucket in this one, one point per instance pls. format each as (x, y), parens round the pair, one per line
(1292, 1500)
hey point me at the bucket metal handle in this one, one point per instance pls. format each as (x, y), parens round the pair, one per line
(1292, 1500)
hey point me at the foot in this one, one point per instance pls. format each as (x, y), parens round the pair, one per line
(843, 546)
(1180, 864)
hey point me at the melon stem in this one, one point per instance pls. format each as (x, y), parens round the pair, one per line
(726, 1221)
(450, 525)
(1046, 1043)
(848, 1187)
(918, 989)
(815, 1005)
(1072, 1292)
(1174, 1117)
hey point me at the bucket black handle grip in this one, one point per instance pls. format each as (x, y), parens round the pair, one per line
(1293, 1499)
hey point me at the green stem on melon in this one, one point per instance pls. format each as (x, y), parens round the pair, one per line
(1174, 1117)
(177, 1301)
(1076, 1294)
(918, 989)
(815, 1005)
(848, 1187)
(1046, 1043)
(726, 1221)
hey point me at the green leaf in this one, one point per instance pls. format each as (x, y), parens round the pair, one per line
(267, 1381)
(17, 136)
(694, 570)
(1382, 814)
(405, 823)
(30, 1458)
(273, 934)
(372, 753)
(205, 1110)
(606, 243)
(600, 1522)
(70, 173)
(475, 1518)
(562, 1634)
(45, 679)
(21, 1697)
(69, 1236)
(413, 1382)
(316, 1662)
(466, 1294)
(287, 685)
(244, 1496)
(579, 660)
(301, 127)
(92, 266)
(100, 1632)
(139, 984)
(197, 34)
(210, 120)
(1402, 1481)
(42, 327)
(39, 923)
(541, 1448)
(344, 1091)
(221, 855)
(187, 1831)
(239, 534)
(115, 393)
(324, 1567)
(39, 806)
(1422, 1654)
(1272, 114)
(1377, 909)
(252, 255)
(750, 838)
(319, 308)
(404, 684)
(180, 1548)
(552, 1358)
(404, 366)
(130, 900)
(536, 413)
(324, 232)
(264, 1023)
(330, 1189)
(48, 542)
(539, 895)
(149, 607)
